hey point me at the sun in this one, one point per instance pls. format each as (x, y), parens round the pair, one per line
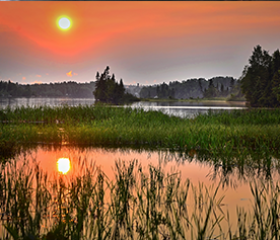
(63, 165)
(64, 22)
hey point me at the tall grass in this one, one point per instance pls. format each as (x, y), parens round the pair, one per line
(256, 130)
(137, 204)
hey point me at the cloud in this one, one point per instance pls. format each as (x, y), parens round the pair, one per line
(75, 74)
(47, 74)
(69, 74)
(23, 78)
(38, 75)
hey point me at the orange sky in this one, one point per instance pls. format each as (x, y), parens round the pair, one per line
(143, 42)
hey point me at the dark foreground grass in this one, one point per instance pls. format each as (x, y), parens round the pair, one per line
(255, 130)
(137, 204)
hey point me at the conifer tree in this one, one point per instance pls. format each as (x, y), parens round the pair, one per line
(256, 82)
(222, 88)
(109, 91)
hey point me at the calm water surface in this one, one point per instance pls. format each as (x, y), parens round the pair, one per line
(181, 109)
(189, 109)
(234, 179)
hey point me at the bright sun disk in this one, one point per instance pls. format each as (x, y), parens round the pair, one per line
(63, 165)
(64, 22)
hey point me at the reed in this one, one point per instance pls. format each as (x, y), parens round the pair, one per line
(256, 130)
(137, 204)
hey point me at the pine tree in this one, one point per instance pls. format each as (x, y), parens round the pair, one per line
(222, 89)
(276, 88)
(256, 79)
(107, 90)
(200, 85)
(211, 84)
(101, 86)
(276, 61)
(211, 91)
(232, 82)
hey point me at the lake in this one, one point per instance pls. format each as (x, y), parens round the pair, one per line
(235, 177)
(204, 174)
(189, 109)
(181, 109)
(233, 174)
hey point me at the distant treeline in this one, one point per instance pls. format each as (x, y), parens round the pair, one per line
(195, 88)
(192, 88)
(259, 84)
(63, 89)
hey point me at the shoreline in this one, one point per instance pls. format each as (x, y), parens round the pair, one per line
(201, 100)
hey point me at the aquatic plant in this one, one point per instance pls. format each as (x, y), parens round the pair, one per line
(137, 204)
(255, 129)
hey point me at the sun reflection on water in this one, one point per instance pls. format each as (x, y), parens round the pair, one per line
(63, 165)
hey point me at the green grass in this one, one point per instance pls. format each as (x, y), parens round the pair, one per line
(135, 204)
(255, 130)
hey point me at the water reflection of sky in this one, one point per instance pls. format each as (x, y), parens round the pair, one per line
(63, 165)
(235, 180)
(180, 109)
(189, 109)
(237, 191)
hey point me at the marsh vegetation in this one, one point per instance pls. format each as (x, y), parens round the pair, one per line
(137, 203)
(240, 130)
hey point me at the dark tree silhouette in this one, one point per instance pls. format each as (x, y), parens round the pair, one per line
(259, 81)
(109, 91)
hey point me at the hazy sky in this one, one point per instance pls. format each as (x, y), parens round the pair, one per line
(142, 42)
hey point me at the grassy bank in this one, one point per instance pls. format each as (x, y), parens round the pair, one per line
(214, 99)
(136, 204)
(239, 130)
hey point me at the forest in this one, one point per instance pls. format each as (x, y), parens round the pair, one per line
(217, 87)
(64, 89)
(187, 89)
(260, 81)
(259, 85)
